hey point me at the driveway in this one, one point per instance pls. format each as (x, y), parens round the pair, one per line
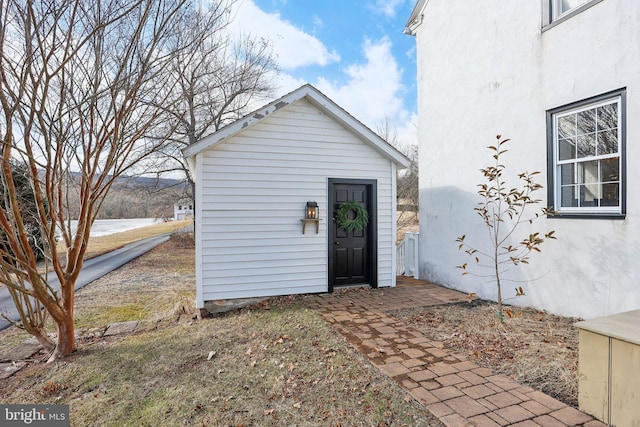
(92, 269)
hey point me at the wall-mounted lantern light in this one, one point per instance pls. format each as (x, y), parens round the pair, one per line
(312, 210)
(311, 214)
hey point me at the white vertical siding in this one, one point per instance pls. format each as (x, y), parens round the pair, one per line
(253, 189)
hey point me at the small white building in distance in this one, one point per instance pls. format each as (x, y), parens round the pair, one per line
(183, 210)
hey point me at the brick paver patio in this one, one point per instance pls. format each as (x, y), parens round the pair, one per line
(456, 390)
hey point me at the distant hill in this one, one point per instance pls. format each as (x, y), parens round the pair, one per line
(151, 182)
(140, 197)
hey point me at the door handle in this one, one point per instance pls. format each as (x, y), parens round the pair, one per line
(337, 243)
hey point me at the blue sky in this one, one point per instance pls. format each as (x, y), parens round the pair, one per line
(354, 51)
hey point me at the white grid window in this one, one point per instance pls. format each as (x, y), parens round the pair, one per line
(557, 11)
(560, 7)
(588, 158)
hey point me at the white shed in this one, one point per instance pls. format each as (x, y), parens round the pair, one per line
(254, 181)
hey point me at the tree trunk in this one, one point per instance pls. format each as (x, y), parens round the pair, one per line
(43, 338)
(500, 315)
(66, 338)
(192, 183)
(33, 317)
(497, 273)
(66, 329)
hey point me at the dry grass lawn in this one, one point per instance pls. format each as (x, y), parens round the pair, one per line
(276, 364)
(273, 367)
(533, 347)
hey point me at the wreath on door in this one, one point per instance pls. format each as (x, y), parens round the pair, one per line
(359, 221)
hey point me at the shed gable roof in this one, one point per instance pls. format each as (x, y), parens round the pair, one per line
(320, 101)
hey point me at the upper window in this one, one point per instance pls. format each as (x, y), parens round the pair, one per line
(586, 151)
(560, 7)
(556, 11)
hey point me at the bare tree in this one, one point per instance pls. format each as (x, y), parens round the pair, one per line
(503, 210)
(408, 189)
(79, 93)
(219, 77)
(407, 186)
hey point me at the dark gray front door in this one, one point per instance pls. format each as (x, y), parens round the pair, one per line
(352, 258)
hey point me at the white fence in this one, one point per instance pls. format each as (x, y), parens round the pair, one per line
(407, 256)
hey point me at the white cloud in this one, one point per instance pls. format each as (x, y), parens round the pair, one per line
(287, 83)
(373, 92)
(292, 46)
(317, 23)
(388, 7)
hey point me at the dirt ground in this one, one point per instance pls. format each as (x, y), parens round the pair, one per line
(533, 347)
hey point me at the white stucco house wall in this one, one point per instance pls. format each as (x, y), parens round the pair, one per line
(560, 78)
(254, 179)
